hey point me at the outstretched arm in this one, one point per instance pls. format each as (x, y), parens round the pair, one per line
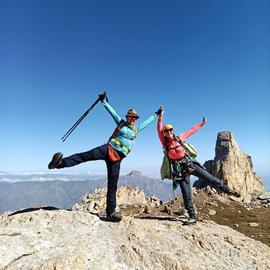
(192, 130)
(150, 119)
(147, 122)
(111, 111)
(159, 131)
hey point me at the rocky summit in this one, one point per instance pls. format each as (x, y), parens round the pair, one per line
(152, 234)
(61, 239)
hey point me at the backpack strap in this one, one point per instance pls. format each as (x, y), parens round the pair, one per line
(121, 124)
(190, 150)
(182, 144)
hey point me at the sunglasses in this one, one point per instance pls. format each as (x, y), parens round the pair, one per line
(168, 130)
(133, 117)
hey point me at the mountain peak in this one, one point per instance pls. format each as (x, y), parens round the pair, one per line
(136, 173)
(234, 166)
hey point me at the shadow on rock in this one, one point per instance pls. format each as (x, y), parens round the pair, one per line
(32, 209)
(159, 218)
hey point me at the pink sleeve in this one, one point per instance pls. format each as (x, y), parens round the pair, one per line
(191, 131)
(159, 130)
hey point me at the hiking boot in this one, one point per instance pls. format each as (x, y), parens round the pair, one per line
(234, 193)
(190, 220)
(114, 217)
(56, 161)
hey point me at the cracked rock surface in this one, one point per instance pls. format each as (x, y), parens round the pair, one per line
(78, 240)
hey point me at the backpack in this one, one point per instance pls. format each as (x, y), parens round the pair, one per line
(112, 153)
(166, 170)
(190, 149)
(120, 125)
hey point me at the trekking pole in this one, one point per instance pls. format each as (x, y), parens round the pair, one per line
(80, 119)
(74, 126)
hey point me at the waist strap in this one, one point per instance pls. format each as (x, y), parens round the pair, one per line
(120, 144)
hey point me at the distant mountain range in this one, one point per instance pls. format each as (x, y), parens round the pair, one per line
(63, 191)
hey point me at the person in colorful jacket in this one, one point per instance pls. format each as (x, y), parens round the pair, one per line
(182, 165)
(118, 147)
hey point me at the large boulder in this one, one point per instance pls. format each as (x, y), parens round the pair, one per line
(233, 166)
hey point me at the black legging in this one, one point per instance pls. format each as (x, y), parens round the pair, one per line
(113, 169)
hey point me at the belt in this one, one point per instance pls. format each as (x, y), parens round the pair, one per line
(120, 144)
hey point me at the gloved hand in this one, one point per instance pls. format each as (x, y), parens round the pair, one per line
(204, 119)
(159, 111)
(103, 96)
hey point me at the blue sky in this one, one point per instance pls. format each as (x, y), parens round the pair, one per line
(196, 58)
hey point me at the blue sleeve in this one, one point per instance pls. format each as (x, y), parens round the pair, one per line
(112, 112)
(147, 122)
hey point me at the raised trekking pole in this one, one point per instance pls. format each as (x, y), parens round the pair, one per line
(81, 118)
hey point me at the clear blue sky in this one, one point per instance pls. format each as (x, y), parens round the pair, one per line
(196, 58)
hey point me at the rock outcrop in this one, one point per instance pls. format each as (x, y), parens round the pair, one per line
(234, 167)
(52, 240)
(96, 202)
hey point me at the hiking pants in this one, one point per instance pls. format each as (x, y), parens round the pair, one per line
(200, 172)
(113, 169)
(187, 197)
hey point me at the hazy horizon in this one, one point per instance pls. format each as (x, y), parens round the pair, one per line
(65, 176)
